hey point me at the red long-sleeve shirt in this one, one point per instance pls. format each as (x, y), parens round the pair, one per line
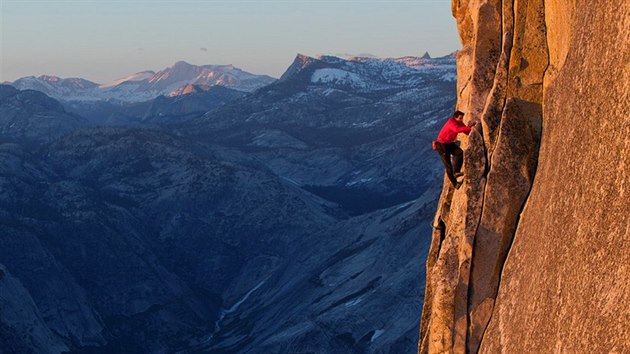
(449, 131)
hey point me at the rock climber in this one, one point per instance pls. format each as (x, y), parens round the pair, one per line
(446, 146)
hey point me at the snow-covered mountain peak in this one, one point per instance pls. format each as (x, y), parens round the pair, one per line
(147, 85)
(144, 75)
(49, 78)
(70, 81)
(53, 86)
(368, 73)
(300, 63)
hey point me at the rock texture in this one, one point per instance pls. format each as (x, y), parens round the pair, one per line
(531, 254)
(23, 329)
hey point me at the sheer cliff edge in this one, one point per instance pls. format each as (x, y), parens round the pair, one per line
(532, 254)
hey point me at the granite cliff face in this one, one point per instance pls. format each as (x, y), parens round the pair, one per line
(532, 253)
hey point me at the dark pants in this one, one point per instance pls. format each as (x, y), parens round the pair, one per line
(447, 151)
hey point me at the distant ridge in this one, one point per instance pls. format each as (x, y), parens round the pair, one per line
(146, 85)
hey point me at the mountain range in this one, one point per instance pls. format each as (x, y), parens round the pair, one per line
(294, 218)
(349, 143)
(146, 85)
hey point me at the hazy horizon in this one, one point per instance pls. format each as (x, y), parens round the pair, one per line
(105, 40)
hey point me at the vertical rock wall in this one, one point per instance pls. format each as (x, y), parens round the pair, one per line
(532, 253)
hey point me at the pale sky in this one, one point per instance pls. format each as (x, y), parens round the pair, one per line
(107, 39)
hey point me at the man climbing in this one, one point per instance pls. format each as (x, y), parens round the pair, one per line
(447, 147)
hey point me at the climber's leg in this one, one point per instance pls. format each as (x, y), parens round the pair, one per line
(458, 157)
(446, 159)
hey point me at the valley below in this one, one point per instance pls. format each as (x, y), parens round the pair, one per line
(245, 215)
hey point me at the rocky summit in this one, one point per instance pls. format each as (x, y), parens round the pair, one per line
(531, 254)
